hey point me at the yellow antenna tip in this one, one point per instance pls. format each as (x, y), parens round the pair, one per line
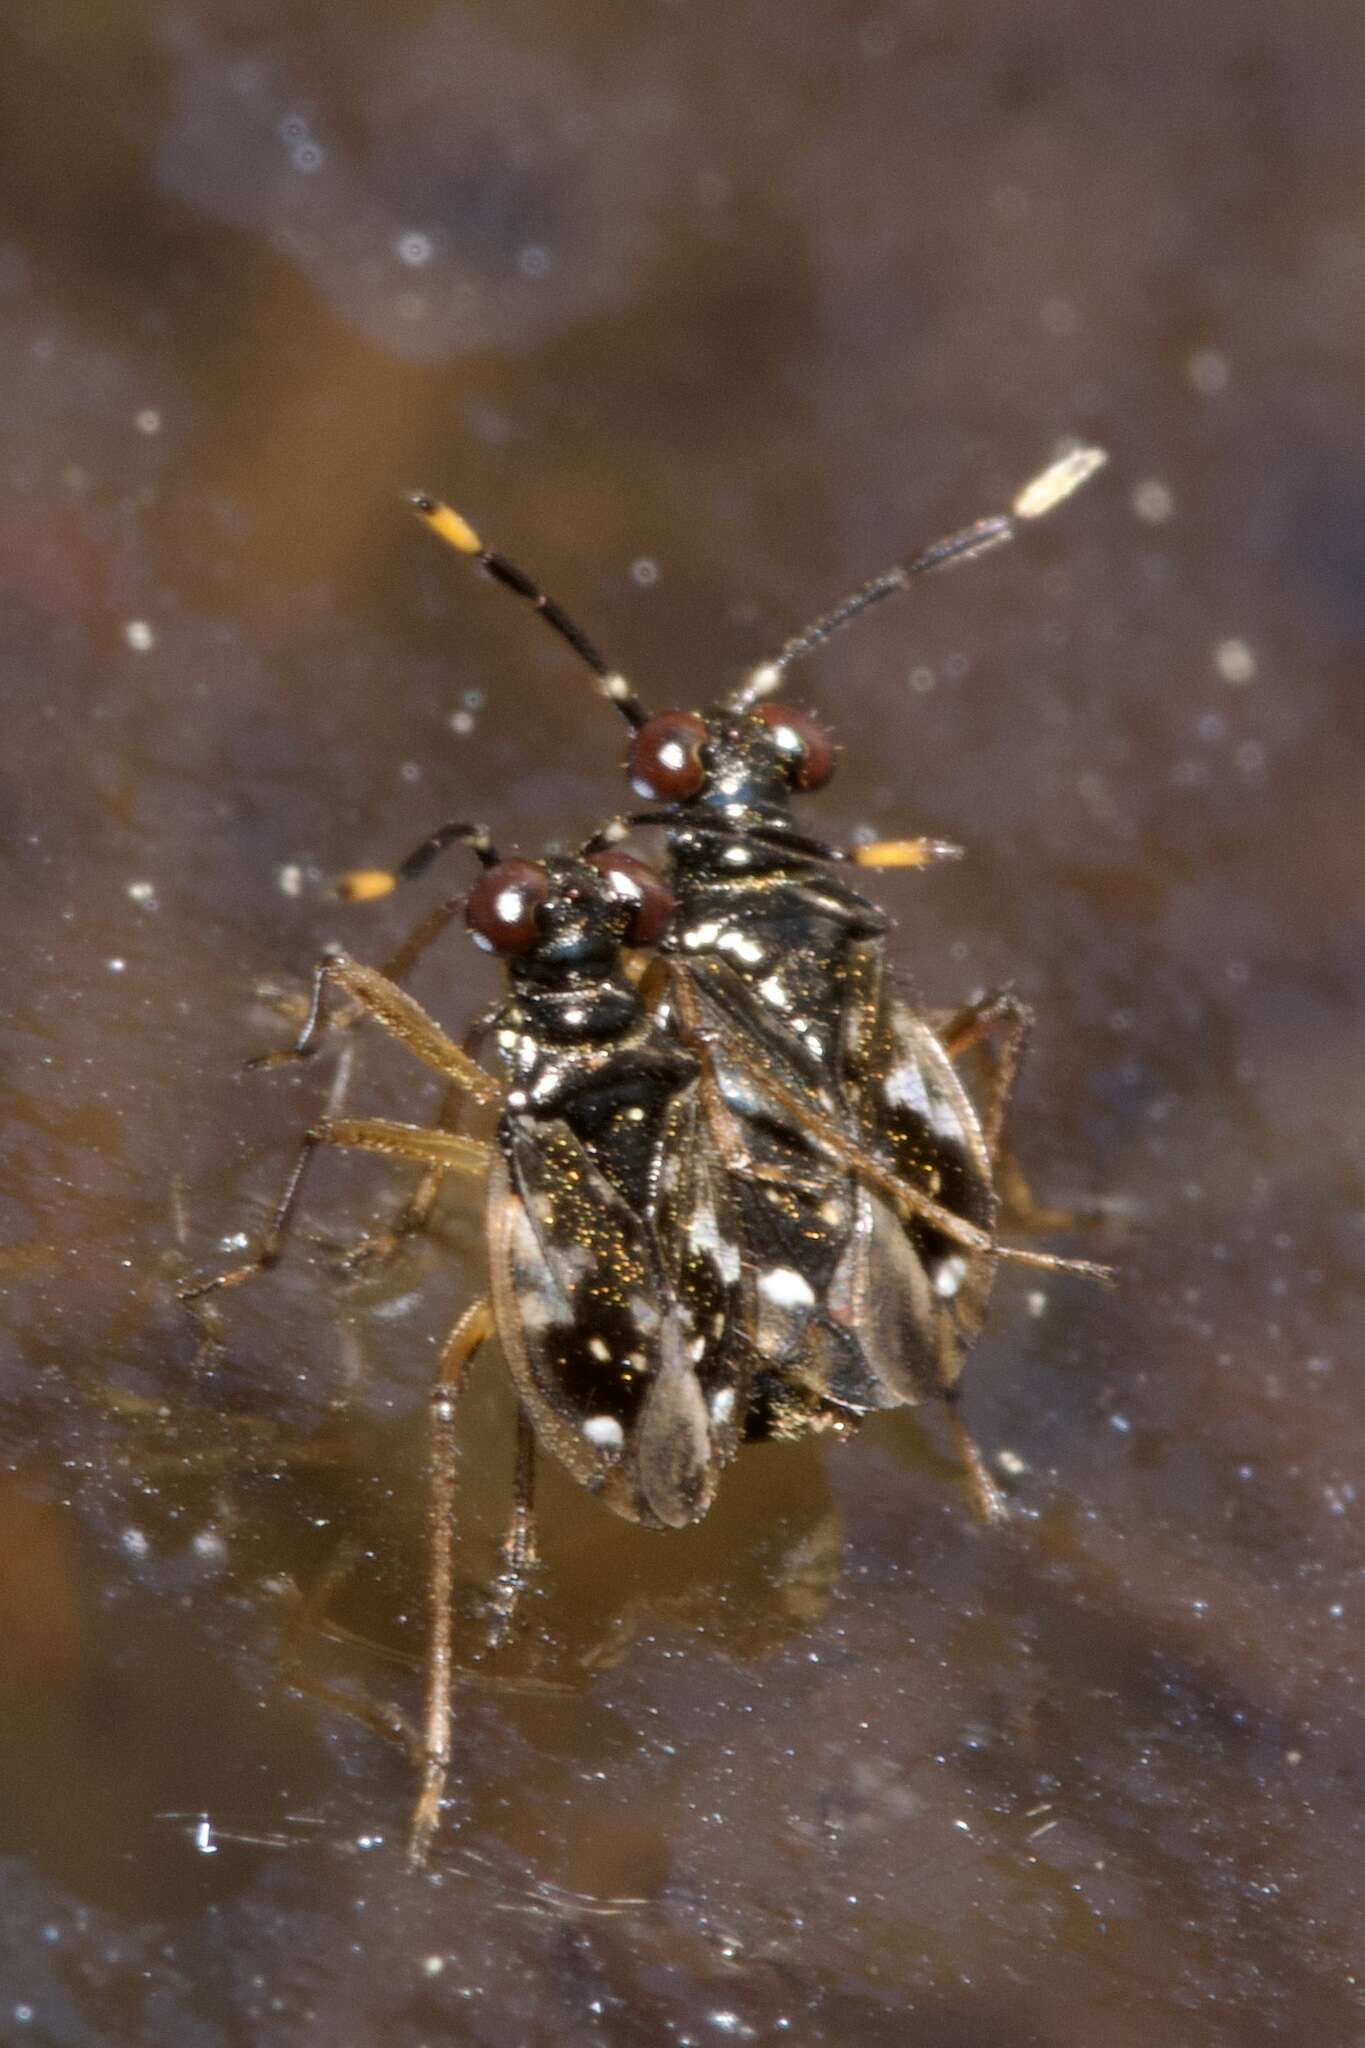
(365, 885)
(447, 524)
(1058, 481)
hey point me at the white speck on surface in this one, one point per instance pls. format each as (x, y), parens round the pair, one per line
(1153, 501)
(148, 421)
(143, 892)
(1058, 317)
(1121, 1424)
(432, 1966)
(414, 249)
(644, 572)
(461, 722)
(1208, 371)
(533, 260)
(1011, 1464)
(134, 1541)
(1234, 661)
(290, 879)
(1036, 1302)
(140, 635)
(605, 1432)
(209, 1545)
(878, 38)
(117, 966)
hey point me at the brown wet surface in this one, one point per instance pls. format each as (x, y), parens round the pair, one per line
(704, 313)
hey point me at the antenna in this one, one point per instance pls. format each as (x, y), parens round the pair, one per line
(1074, 467)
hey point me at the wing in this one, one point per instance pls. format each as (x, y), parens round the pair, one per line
(698, 1230)
(927, 1128)
(610, 1358)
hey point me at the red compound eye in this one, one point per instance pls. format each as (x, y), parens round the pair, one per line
(502, 909)
(665, 756)
(637, 884)
(806, 749)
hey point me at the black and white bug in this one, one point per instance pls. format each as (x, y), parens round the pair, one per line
(615, 1281)
(865, 1175)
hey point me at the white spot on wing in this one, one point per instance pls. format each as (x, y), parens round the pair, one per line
(785, 1286)
(703, 1237)
(905, 1087)
(949, 1276)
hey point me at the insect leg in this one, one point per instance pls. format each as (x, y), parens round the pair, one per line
(824, 1136)
(444, 1151)
(519, 1544)
(441, 1151)
(390, 1006)
(726, 1135)
(1005, 1023)
(1004, 1018)
(415, 1216)
(987, 1498)
(472, 1329)
(195, 1297)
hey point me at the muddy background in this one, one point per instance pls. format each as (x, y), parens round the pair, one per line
(705, 313)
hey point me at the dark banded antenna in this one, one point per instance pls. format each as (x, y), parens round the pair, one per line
(1048, 489)
(457, 533)
(367, 885)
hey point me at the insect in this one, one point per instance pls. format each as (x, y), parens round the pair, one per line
(872, 1282)
(615, 1283)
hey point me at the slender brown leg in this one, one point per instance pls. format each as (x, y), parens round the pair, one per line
(1005, 1022)
(406, 1021)
(390, 1006)
(987, 1498)
(450, 1151)
(1004, 1018)
(473, 1328)
(519, 1544)
(196, 1298)
(416, 1214)
(404, 957)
